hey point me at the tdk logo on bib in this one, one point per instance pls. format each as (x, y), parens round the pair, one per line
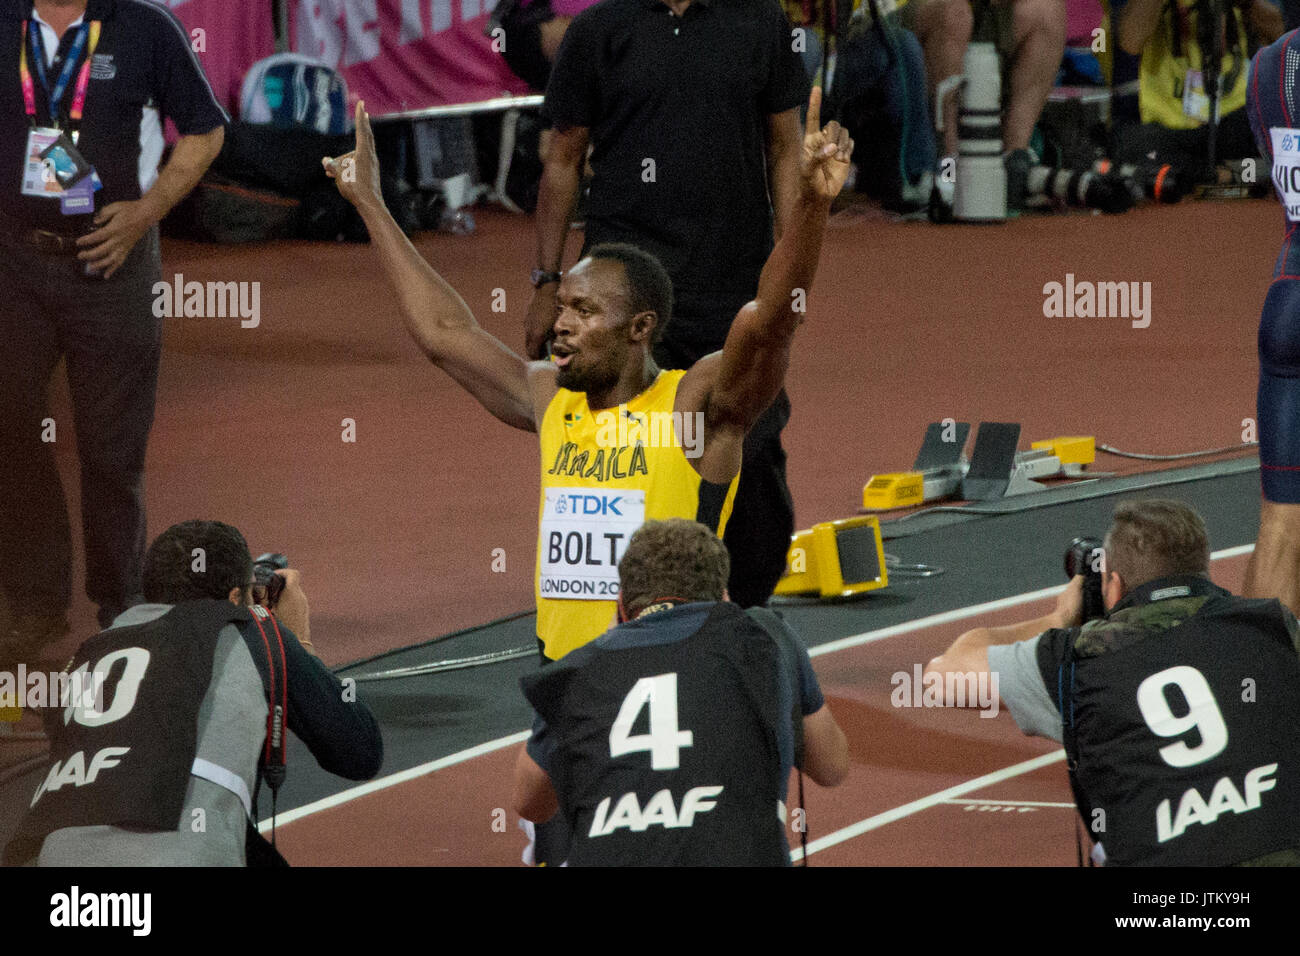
(589, 505)
(1286, 169)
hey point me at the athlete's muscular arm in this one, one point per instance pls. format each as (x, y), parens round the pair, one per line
(435, 315)
(750, 370)
(969, 654)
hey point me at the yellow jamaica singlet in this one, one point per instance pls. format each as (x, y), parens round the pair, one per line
(604, 473)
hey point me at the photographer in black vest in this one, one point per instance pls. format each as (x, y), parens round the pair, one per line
(669, 739)
(1179, 708)
(176, 714)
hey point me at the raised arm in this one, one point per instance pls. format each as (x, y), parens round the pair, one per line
(751, 368)
(435, 314)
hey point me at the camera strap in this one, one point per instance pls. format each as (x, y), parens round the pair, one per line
(1070, 739)
(274, 766)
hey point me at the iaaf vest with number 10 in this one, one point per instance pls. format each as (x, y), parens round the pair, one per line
(604, 473)
(1185, 704)
(125, 759)
(668, 754)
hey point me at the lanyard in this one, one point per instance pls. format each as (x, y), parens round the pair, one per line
(32, 31)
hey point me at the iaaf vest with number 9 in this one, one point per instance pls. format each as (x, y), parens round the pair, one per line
(1186, 725)
(604, 474)
(121, 751)
(668, 754)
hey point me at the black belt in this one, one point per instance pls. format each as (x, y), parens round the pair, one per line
(50, 243)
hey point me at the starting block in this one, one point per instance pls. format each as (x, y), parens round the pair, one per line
(937, 472)
(995, 470)
(836, 559)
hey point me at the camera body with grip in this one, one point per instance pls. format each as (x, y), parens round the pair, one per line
(1083, 556)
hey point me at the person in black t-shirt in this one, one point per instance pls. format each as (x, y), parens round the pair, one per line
(691, 109)
(78, 262)
(669, 740)
(1179, 709)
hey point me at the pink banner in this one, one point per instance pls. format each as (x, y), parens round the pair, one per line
(402, 55)
(228, 36)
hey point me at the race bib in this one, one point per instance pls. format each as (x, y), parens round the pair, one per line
(1286, 169)
(584, 534)
(39, 176)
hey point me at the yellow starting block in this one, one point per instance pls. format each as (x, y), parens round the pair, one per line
(836, 559)
(1076, 450)
(995, 470)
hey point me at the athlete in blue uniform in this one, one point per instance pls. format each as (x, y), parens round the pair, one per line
(1273, 106)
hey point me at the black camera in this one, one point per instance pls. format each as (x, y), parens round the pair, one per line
(1083, 556)
(265, 578)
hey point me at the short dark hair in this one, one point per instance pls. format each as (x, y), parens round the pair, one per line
(1156, 538)
(649, 289)
(672, 558)
(170, 574)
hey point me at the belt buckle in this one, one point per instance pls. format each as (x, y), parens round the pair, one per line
(51, 243)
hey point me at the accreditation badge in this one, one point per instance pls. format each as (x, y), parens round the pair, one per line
(38, 175)
(584, 534)
(1286, 169)
(1196, 103)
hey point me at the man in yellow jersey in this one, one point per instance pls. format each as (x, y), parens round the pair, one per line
(1161, 109)
(622, 441)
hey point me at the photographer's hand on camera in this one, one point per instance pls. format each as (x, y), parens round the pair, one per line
(1069, 604)
(292, 609)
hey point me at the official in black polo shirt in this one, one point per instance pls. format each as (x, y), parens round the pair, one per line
(85, 86)
(692, 112)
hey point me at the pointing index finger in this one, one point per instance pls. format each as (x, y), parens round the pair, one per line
(364, 135)
(814, 121)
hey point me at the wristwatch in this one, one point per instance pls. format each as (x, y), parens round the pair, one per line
(541, 277)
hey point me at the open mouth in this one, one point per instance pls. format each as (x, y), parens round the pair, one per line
(561, 356)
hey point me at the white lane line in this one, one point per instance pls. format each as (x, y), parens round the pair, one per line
(976, 802)
(974, 610)
(393, 779)
(934, 620)
(925, 803)
(858, 640)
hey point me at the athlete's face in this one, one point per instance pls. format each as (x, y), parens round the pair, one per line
(595, 334)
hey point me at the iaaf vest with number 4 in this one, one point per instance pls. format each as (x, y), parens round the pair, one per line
(125, 759)
(668, 754)
(1185, 702)
(604, 474)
